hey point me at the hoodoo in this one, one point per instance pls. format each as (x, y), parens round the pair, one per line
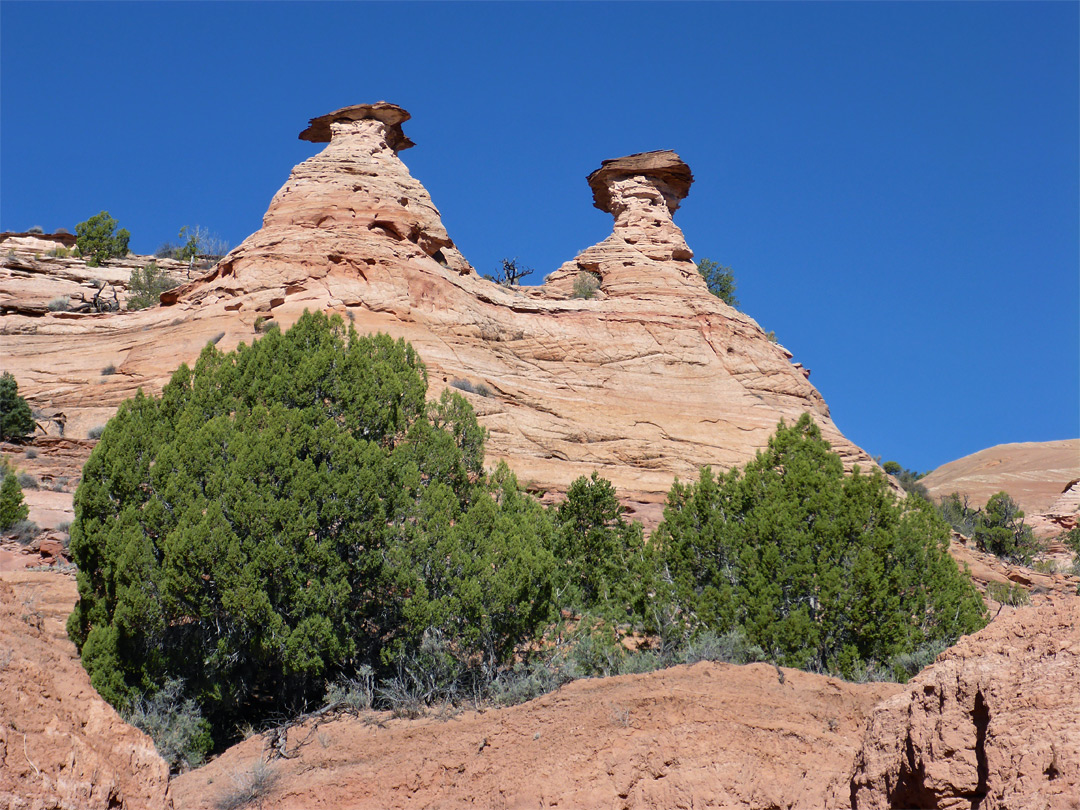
(649, 379)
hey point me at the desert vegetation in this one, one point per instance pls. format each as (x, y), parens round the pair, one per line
(998, 528)
(294, 524)
(16, 418)
(98, 239)
(147, 284)
(720, 281)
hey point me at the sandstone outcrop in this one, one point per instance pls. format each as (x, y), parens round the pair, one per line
(61, 745)
(646, 381)
(993, 725)
(1035, 474)
(711, 735)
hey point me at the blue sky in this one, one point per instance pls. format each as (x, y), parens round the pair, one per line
(894, 184)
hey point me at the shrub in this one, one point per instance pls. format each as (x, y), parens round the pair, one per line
(62, 230)
(482, 390)
(262, 323)
(820, 570)
(732, 647)
(909, 479)
(13, 508)
(606, 566)
(510, 274)
(959, 514)
(31, 453)
(27, 481)
(109, 370)
(24, 531)
(98, 239)
(167, 250)
(463, 385)
(198, 241)
(35, 229)
(585, 285)
(720, 281)
(16, 421)
(61, 304)
(95, 432)
(59, 253)
(249, 787)
(288, 512)
(1007, 594)
(179, 732)
(146, 285)
(1002, 531)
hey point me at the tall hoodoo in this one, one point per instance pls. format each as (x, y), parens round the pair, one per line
(354, 203)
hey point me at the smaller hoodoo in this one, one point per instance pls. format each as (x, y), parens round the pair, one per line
(641, 191)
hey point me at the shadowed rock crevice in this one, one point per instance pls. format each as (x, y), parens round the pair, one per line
(980, 716)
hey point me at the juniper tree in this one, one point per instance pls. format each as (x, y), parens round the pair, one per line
(288, 512)
(822, 570)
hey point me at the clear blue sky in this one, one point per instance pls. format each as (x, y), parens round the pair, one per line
(894, 184)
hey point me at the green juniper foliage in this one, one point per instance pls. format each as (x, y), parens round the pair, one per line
(16, 419)
(1002, 531)
(289, 512)
(98, 239)
(720, 281)
(146, 286)
(12, 507)
(822, 571)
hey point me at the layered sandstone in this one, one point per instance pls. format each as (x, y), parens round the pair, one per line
(646, 381)
(994, 724)
(61, 745)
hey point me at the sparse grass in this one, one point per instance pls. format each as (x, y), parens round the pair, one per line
(24, 531)
(59, 253)
(1046, 566)
(61, 304)
(108, 371)
(480, 389)
(1007, 594)
(95, 432)
(586, 285)
(249, 787)
(60, 484)
(64, 527)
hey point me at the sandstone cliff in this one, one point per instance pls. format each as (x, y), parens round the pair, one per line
(646, 381)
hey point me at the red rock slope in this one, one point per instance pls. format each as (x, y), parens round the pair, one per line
(711, 735)
(61, 745)
(648, 380)
(993, 725)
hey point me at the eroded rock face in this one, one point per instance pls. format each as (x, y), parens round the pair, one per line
(61, 745)
(993, 725)
(647, 381)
